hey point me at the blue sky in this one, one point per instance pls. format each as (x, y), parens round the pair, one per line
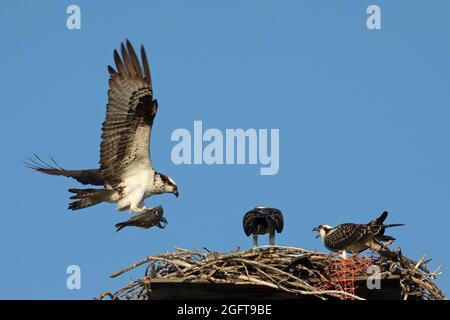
(363, 117)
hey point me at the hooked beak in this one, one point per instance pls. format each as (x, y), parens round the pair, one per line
(316, 229)
(176, 193)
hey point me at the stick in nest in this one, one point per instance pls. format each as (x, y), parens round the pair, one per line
(274, 268)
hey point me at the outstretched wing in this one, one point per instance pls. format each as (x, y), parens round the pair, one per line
(88, 176)
(129, 116)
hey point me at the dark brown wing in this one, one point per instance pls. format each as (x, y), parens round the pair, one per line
(247, 222)
(347, 234)
(380, 219)
(275, 217)
(263, 217)
(89, 176)
(129, 116)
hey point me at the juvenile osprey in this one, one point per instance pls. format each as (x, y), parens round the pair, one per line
(262, 220)
(126, 171)
(145, 220)
(355, 238)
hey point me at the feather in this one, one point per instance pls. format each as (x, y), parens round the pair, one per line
(87, 176)
(261, 220)
(119, 64)
(112, 71)
(135, 60)
(127, 61)
(129, 117)
(147, 75)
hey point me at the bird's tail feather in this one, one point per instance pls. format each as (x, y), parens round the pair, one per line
(88, 197)
(386, 238)
(380, 219)
(393, 225)
(120, 225)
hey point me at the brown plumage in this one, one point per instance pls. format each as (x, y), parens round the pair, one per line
(126, 171)
(355, 238)
(129, 116)
(262, 220)
(87, 176)
(88, 197)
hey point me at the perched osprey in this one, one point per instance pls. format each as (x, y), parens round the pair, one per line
(262, 220)
(145, 220)
(355, 238)
(126, 171)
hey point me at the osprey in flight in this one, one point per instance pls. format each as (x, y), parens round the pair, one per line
(355, 238)
(262, 220)
(126, 171)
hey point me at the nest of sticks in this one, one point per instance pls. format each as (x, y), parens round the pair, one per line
(294, 270)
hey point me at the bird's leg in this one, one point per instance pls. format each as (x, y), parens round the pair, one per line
(388, 243)
(375, 247)
(146, 210)
(142, 205)
(343, 254)
(255, 240)
(140, 208)
(272, 239)
(135, 209)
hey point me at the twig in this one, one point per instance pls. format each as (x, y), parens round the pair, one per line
(280, 268)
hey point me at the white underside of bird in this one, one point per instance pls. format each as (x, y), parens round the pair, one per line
(138, 184)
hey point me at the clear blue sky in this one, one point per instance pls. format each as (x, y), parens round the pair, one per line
(363, 117)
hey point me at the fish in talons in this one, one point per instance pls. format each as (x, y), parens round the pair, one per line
(150, 217)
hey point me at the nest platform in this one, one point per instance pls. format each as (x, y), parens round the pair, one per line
(278, 272)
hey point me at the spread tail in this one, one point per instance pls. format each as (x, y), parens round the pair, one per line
(89, 197)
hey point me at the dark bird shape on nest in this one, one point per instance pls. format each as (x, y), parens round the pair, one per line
(126, 171)
(145, 220)
(262, 220)
(302, 266)
(355, 238)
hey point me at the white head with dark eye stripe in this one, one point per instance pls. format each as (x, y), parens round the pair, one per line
(165, 184)
(323, 230)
